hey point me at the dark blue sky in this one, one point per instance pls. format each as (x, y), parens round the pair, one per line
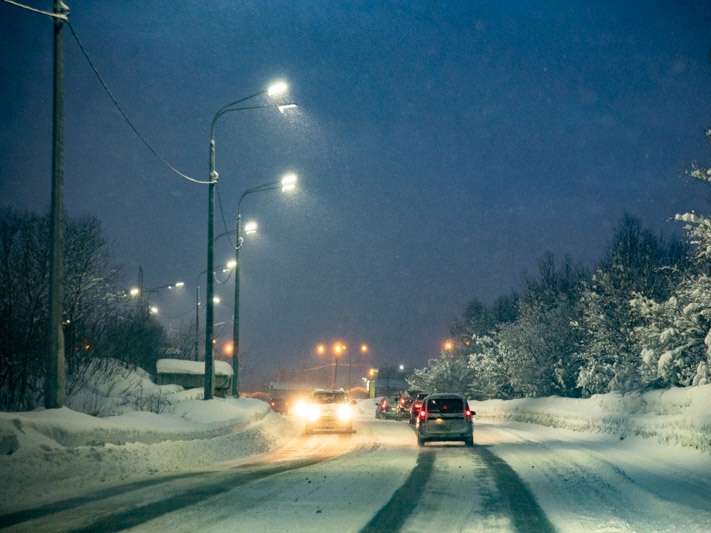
(442, 148)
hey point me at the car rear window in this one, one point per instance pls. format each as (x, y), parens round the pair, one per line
(445, 405)
(328, 397)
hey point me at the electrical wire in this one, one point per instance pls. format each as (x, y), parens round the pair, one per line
(123, 114)
(48, 13)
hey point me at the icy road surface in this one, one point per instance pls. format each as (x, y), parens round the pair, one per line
(518, 477)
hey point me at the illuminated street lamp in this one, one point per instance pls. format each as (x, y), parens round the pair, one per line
(275, 89)
(287, 183)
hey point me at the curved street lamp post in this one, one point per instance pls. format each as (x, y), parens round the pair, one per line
(274, 90)
(287, 183)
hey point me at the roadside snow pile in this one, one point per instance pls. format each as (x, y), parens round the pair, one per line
(679, 416)
(109, 387)
(47, 455)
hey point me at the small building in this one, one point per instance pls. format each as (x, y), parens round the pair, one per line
(388, 381)
(191, 374)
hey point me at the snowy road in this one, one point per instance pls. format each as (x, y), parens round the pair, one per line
(519, 477)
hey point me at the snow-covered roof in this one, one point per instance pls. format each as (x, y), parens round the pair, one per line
(181, 366)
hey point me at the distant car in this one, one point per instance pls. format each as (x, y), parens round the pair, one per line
(329, 409)
(279, 405)
(445, 417)
(402, 410)
(385, 408)
(416, 406)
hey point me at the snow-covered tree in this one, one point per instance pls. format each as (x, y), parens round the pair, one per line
(539, 348)
(676, 332)
(637, 263)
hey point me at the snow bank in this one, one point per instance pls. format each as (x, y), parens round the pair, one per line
(48, 454)
(679, 416)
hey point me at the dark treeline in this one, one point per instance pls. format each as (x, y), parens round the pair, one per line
(98, 319)
(640, 318)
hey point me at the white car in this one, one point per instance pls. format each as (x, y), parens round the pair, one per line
(329, 409)
(445, 417)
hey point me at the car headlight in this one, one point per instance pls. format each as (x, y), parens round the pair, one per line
(344, 413)
(300, 408)
(312, 412)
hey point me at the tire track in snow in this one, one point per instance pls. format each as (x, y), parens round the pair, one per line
(526, 514)
(393, 514)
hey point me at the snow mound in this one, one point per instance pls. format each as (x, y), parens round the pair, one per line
(679, 416)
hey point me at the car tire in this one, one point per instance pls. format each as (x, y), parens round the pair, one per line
(420, 441)
(469, 442)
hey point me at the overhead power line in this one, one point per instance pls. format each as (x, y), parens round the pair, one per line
(123, 114)
(34, 10)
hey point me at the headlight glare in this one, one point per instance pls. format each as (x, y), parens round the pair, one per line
(344, 412)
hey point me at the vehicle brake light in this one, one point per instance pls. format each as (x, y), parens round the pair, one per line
(402, 401)
(468, 413)
(423, 414)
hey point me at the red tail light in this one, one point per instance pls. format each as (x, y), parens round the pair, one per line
(417, 405)
(402, 401)
(423, 415)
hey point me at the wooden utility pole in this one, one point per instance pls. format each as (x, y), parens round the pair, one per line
(55, 379)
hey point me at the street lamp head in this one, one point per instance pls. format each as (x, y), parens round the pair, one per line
(154, 310)
(216, 299)
(231, 264)
(178, 284)
(286, 107)
(135, 291)
(288, 182)
(278, 88)
(250, 227)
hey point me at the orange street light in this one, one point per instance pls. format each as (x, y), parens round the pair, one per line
(448, 345)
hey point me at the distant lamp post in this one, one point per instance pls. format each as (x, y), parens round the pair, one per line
(338, 350)
(275, 89)
(229, 266)
(448, 345)
(286, 184)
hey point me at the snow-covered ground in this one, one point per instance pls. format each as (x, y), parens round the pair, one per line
(50, 455)
(680, 416)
